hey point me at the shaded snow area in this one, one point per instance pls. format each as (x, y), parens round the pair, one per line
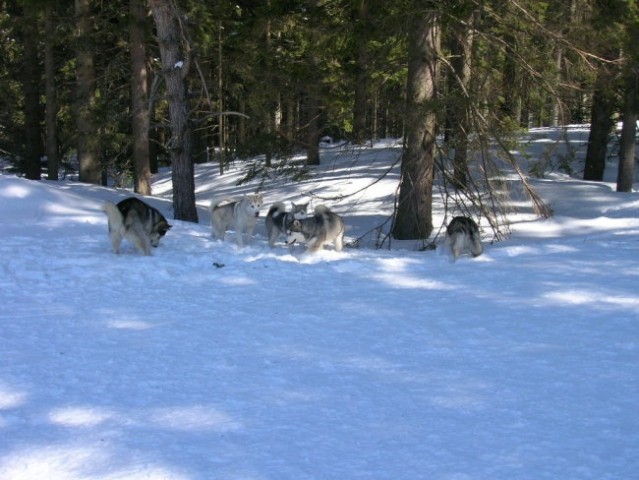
(206, 361)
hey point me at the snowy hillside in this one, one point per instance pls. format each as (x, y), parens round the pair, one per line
(205, 361)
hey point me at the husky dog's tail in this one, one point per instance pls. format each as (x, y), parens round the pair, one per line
(216, 202)
(322, 210)
(116, 221)
(276, 208)
(324, 213)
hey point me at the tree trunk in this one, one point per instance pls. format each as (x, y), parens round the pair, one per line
(362, 74)
(512, 91)
(413, 218)
(174, 67)
(626, 173)
(314, 131)
(556, 112)
(600, 127)
(139, 94)
(268, 104)
(31, 90)
(51, 109)
(87, 141)
(220, 95)
(459, 115)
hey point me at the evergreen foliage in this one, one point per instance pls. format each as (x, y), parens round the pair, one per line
(271, 77)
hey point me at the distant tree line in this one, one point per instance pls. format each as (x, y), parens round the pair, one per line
(118, 88)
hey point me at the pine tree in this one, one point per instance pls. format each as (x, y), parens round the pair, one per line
(174, 68)
(413, 219)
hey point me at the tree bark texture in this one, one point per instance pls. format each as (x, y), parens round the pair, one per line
(139, 97)
(314, 133)
(30, 87)
(601, 123)
(51, 108)
(413, 219)
(459, 81)
(174, 65)
(627, 148)
(362, 73)
(87, 141)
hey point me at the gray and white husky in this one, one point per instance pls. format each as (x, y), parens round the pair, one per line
(322, 228)
(237, 215)
(277, 218)
(139, 223)
(463, 237)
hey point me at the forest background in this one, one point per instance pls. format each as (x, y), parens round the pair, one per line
(113, 90)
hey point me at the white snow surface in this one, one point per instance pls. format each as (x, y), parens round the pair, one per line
(205, 361)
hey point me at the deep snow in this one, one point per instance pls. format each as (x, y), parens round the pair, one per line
(205, 361)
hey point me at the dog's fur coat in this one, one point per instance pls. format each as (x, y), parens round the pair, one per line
(322, 228)
(237, 215)
(277, 218)
(463, 237)
(139, 223)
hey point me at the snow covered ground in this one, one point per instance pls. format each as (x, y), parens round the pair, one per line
(205, 361)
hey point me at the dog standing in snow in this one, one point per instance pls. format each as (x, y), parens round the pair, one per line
(237, 215)
(139, 223)
(463, 237)
(277, 218)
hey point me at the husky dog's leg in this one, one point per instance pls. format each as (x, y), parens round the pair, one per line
(275, 222)
(116, 239)
(239, 234)
(476, 248)
(272, 231)
(138, 237)
(218, 228)
(240, 228)
(249, 231)
(339, 241)
(218, 222)
(134, 231)
(456, 245)
(116, 225)
(315, 244)
(273, 234)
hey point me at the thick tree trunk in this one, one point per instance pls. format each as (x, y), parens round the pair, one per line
(51, 109)
(139, 94)
(626, 173)
(600, 127)
(362, 74)
(413, 218)
(458, 112)
(30, 85)
(87, 141)
(174, 66)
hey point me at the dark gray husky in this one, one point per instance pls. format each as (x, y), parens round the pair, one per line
(463, 236)
(139, 223)
(322, 228)
(277, 218)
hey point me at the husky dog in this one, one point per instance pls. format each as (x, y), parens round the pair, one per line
(322, 228)
(136, 221)
(238, 215)
(277, 218)
(463, 236)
